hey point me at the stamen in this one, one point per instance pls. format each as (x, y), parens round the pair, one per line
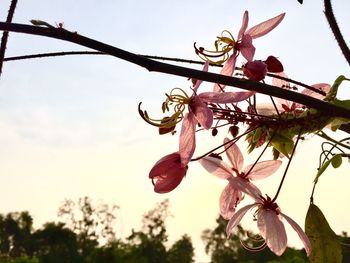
(223, 45)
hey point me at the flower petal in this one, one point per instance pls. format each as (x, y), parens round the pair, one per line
(187, 138)
(300, 233)
(225, 97)
(167, 173)
(272, 230)
(262, 169)
(234, 155)
(229, 199)
(164, 164)
(265, 27)
(244, 26)
(203, 114)
(236, 218)
(246, 187)
(227, 70)
(198, 81)
(246, 47)
(284, 85)
(216, 167)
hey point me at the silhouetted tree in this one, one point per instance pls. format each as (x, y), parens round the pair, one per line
(181, 251)
(15, 234)
(56, 244)
(91, 223)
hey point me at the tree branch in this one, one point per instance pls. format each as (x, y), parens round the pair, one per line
(152, 65)
(5, 35)
(328, 11)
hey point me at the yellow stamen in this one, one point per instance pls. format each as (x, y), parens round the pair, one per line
(223, 45)
(178, 101)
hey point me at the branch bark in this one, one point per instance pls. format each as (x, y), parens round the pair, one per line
(328, 11)
(5, 34)
(152, 65)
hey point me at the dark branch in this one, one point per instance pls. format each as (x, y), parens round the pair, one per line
(5, 35)
(152, 65)
(328, 10)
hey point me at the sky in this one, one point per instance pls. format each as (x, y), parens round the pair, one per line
(69, 126)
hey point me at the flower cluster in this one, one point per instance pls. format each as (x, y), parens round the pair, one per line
(278, 125)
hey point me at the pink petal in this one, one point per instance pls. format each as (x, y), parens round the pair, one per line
(216, 167)
(244, 26)
(300, 233)
(234, 155)
(255, 70)
(227, 70)
(199, 82)
(279, 82)
(164, 164)
(246, 187)
(229, 199)
(284, 85)
(187, 138)
(267, 108)
(272, 230)
(246, 47)
(320, 86)
(262, 169)
(225, 97)
(265, 27)
(203, 114)
(236, 218)
(167, 173)
(165, 184)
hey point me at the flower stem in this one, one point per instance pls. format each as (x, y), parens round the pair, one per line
(286, 170)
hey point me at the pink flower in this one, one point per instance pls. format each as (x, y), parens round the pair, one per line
(244, 43)
(232, 194)
(167, 173)
(269, 219)
(199, 112)
(257, 69)
(289, 106)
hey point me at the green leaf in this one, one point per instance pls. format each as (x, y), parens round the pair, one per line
(337, 122)
(325, 246)
(335, 163)
(283, 144)
(334, 89)
(336, 160)
(342, 103)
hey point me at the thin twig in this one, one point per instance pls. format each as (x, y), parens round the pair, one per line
(286, 170)
(5, 35)
(70, 53)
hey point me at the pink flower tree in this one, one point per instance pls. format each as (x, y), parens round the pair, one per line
(281, 126)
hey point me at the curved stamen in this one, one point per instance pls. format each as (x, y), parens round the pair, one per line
(178, 101)
(223, 45)
(252, 248)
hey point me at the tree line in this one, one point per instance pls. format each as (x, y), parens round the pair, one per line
(86, 234)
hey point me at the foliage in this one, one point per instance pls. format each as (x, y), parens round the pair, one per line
(325, 243)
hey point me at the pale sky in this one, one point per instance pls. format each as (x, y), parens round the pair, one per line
(69, 126)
